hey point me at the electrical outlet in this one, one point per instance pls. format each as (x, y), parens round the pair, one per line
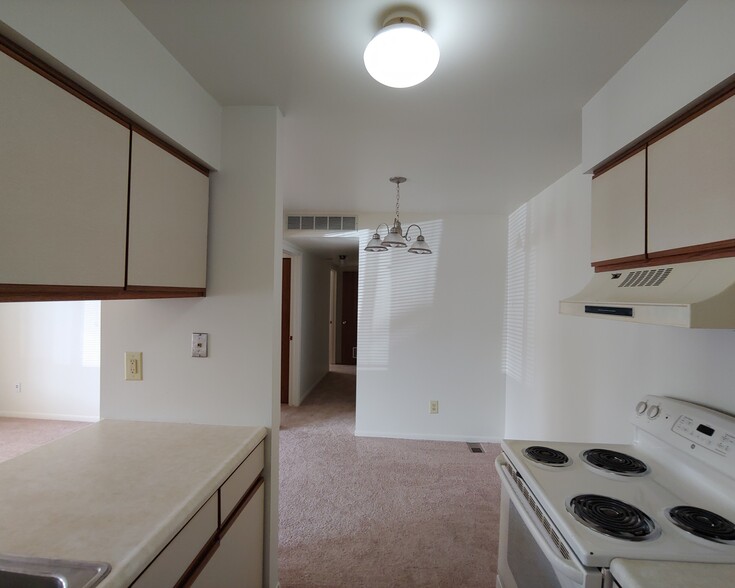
(133, 365)
(18, 388)
(434, 407)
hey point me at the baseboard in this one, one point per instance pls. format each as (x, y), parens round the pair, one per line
(428, 437)
(49, 417)
(311, 388)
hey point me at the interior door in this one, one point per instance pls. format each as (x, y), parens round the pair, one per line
(285, 328)
(348, 347)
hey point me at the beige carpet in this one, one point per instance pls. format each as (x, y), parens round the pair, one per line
(359, 512)
(18, 436)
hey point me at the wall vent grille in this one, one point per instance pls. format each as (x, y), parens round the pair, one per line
(321, 223)
(642, 278)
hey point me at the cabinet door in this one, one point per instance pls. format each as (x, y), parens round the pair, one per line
(619, 211)
(63, 185)
(691, 182)
(238, 561)
(170, 565)
(169, 202)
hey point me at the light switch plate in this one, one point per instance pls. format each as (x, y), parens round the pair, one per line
(134, 365)
(199, 344)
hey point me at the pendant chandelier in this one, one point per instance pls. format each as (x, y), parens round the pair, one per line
(396, 238)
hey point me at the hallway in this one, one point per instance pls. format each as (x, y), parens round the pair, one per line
(367, 512)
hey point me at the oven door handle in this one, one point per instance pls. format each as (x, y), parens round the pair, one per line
(532, 524)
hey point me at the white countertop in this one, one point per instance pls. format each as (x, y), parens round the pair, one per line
(632, 573)
(116, 491)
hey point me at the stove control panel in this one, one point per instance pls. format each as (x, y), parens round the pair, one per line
(706, 434)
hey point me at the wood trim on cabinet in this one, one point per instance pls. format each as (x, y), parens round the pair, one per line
(696, 108)
(703, 104)
(166, 147)
(37, 293)
(728, 245)
(164, 292)
(703, 252)
(44, 293)
(39, 66)
(630, 261)
(617, 161)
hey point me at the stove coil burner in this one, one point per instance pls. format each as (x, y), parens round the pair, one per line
(613, 518)
(615, 462)
(702, 523)
(546, 456)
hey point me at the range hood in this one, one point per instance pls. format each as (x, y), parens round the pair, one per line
(698, 294)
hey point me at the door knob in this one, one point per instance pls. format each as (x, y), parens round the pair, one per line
(344, 322)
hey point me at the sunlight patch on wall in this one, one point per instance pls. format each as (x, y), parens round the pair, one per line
(394, 287)
(520, 299)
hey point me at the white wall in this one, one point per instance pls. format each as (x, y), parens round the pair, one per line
(579, 378)
(314, 338)
(101, 41)
(53, 350)
(430, 328)
(238, 384)
(693, 52)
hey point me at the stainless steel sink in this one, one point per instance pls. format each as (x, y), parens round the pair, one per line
(38, 572)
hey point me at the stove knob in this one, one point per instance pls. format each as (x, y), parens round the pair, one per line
(653, 411)
(641, 407)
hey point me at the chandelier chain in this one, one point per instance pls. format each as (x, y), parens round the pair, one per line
(398, 200)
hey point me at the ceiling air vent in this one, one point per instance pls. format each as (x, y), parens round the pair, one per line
(652, 277)
(321, 223)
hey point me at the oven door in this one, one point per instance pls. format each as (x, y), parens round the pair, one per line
(531, 552)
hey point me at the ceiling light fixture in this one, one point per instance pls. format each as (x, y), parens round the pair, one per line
(396, 238)
(402, 54)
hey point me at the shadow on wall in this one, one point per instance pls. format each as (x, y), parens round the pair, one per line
(395, 287)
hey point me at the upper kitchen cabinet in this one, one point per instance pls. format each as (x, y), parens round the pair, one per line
(93, 208)
(169, 200)
(619, 211)
(691, 184)
(63, 186)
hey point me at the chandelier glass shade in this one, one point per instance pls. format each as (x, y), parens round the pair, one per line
(402, 54)
(396, 238)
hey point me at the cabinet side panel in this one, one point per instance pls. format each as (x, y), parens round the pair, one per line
(169, 202)
(619, 209)
(63, 185)
(691, 175)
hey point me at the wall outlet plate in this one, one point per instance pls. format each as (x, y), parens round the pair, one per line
(134, 365)
(433, 407)
(200, 344)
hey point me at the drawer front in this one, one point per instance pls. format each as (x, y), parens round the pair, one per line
(238, 562)
(241, 480)
(175, 559)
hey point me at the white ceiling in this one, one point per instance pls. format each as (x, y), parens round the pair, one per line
(498, 121)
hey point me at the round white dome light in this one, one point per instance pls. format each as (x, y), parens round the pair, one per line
(401, 55)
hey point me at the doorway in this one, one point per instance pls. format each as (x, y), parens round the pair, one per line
(348, 318)
(285, 328)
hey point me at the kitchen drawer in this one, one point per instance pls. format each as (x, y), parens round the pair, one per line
(183, 549)
(240, 481)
